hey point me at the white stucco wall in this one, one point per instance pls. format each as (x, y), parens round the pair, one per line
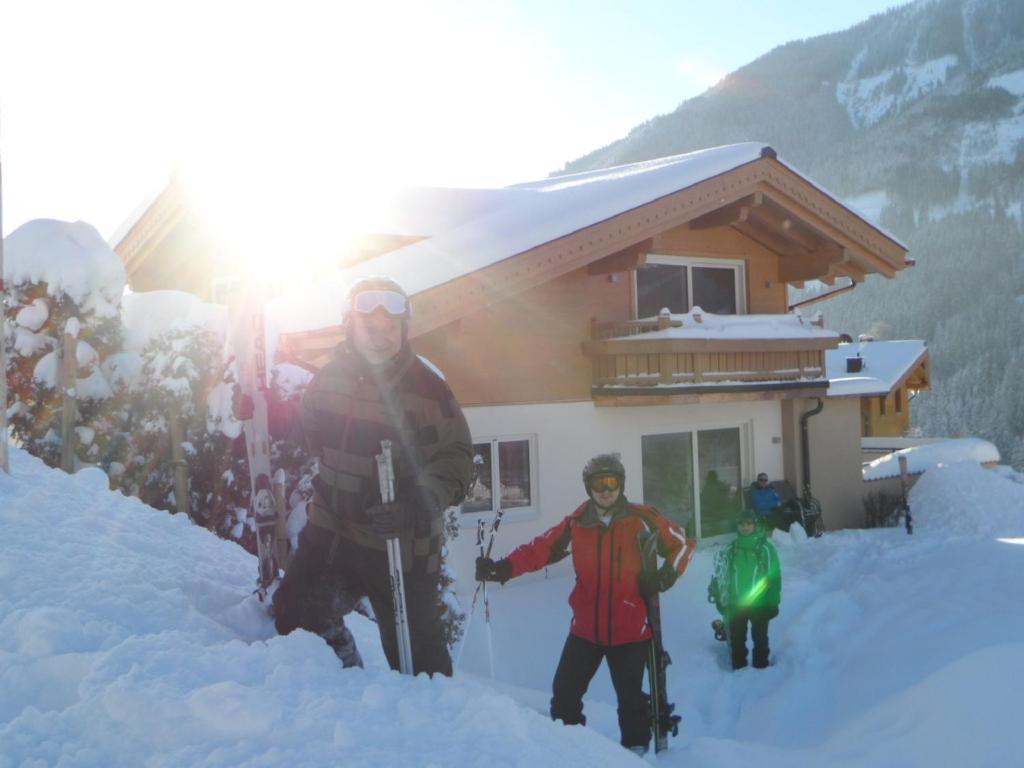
(567, 434)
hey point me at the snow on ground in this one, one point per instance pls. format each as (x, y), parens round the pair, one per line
(129, 637)
(1011, 81)
(869, 99)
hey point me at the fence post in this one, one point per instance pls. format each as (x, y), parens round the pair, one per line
(180, 465)
(69, 407)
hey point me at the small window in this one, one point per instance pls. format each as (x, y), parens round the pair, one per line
(899, 400)
(681, 284)
(505, 476)
(881, 405)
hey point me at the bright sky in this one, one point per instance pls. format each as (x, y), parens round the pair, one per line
(302, 101)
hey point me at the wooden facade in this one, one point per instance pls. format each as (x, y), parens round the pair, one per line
(888, 414)
(553, 330)
(810, 234)
(534, 327)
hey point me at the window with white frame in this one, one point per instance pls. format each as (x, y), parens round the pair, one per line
(697, 478)
(505, 476)
(681, 283)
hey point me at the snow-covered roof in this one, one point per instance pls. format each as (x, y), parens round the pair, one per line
(923, 457)
(886, 363)
(470, 229)
(493, 225)
(429, 211)
(698, 324)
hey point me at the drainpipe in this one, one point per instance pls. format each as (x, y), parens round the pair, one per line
(805, 442)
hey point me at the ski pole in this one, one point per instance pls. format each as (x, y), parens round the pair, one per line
(386, 477)
(490, 543)
(476, 593)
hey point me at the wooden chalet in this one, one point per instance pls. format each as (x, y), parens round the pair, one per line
(641, 309)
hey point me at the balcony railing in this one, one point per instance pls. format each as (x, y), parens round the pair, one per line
(707, 352)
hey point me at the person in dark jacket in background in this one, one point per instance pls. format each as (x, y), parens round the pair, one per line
(746, 588)
(375, 388)
(769, 508)
(605, 535)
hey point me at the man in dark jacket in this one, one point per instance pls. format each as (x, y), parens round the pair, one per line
(373, 389)
(605, 534)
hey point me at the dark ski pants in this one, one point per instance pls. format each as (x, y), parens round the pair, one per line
(626, 663)
(320, 588)
(758, 620)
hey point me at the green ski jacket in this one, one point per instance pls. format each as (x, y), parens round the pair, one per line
(746, 575)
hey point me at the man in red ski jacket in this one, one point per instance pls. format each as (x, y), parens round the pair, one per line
(606, 536)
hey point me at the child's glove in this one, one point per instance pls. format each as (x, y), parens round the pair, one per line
(651, 583)
(768, 613)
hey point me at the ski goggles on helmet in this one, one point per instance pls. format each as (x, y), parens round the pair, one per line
(601, 483)
(393, 303)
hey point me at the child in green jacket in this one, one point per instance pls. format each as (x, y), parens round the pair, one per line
(746, 586)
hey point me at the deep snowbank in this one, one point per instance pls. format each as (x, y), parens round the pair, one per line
(129, 637)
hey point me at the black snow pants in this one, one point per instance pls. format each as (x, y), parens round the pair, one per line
(626, 663)
(758, 620)
(320, 588)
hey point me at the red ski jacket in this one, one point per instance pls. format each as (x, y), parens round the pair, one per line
(608, 607)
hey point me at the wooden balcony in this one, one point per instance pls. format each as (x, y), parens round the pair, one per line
(689, 357)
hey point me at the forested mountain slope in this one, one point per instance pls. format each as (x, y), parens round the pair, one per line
(916, 118)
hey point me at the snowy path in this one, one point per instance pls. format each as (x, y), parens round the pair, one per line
(920, 634)
(130, 638)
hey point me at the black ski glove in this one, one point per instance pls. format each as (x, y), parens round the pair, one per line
(388, 519)
(651, 583)
(490, 570)
(768, 613)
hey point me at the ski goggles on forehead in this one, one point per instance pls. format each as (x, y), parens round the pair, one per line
(368, 302)
(602, 483)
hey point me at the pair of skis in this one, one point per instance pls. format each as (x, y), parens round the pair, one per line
(248, 342)
(386, 477)
(664, 721)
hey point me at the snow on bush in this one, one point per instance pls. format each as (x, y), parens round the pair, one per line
(62, 278)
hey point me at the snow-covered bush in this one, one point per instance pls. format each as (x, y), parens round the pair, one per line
(182, 376)
(62, 278)
(454, 618)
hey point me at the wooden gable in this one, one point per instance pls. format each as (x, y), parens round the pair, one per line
(815, 237)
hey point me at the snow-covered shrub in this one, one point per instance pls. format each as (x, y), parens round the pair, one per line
(61, 278)
(182, 376)
(453, 618)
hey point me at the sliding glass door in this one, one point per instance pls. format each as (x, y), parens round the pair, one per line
(671, 462)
